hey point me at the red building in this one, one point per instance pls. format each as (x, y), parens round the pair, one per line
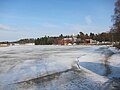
(66, 41)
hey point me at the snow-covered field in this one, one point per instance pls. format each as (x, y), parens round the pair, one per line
(59, 68)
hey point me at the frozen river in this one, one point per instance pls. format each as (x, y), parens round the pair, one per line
(59, 68)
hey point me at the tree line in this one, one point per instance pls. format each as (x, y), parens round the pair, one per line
(47, 40)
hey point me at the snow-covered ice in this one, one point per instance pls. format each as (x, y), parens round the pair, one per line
(56, 67)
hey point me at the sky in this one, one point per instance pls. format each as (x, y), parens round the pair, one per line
(36, 18)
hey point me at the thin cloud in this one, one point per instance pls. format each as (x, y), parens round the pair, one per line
(88, 20)
(5, 27)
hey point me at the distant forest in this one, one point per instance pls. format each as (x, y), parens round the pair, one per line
(47, 40)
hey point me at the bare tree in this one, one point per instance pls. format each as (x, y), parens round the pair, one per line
(116, 22)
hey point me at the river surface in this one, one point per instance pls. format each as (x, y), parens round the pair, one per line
(59, 67)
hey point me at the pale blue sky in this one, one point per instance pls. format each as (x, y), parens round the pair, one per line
(36, 18)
